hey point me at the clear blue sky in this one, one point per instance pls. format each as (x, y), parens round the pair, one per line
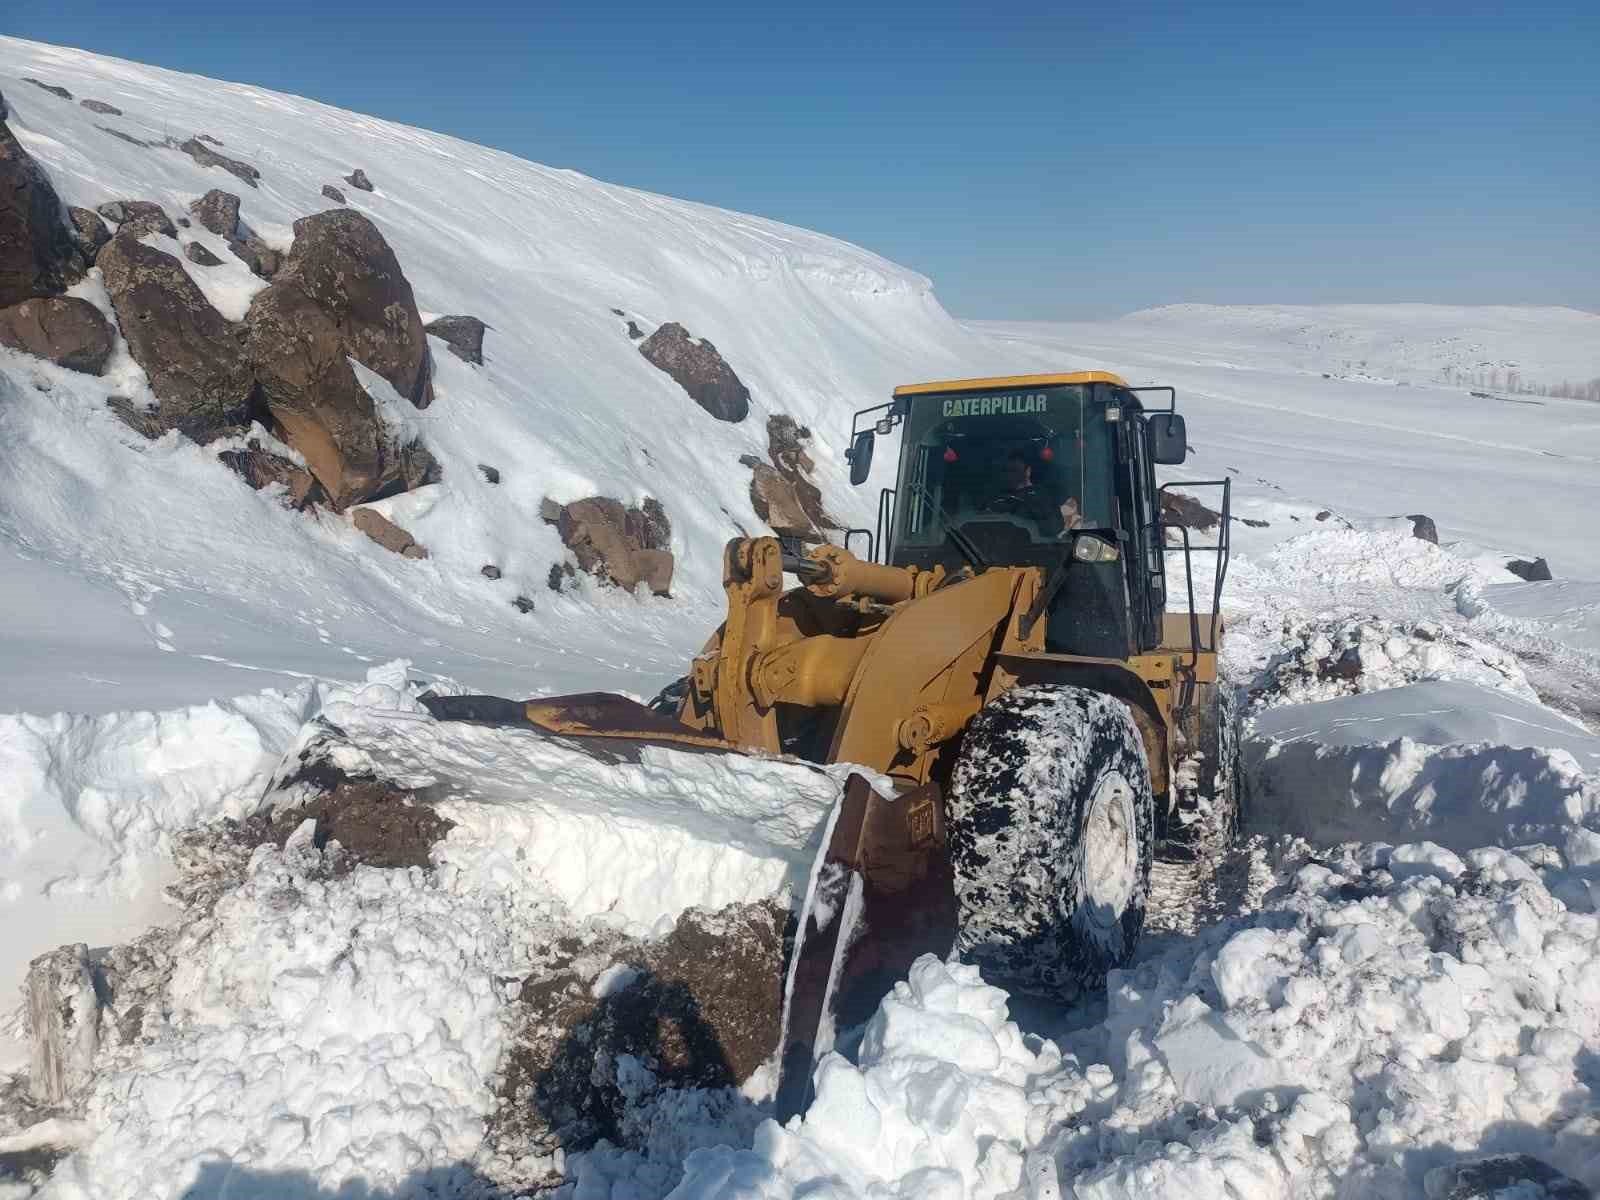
(1038, 161)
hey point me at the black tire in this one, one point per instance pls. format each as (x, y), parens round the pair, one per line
(1052, 833)
(1207, 792)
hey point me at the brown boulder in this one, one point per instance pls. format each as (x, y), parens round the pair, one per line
(608, 541)
(37, 254)
(101, 107)
(195, 360)
(341, 295)
(464, 335)
(218, 211)
(699, 370)
(88, 231)
(207, 157)
(135, 218)
(196, 253)
(387, 534)
(782, 494)
(261, 468)
(777, 502)
(69, 332)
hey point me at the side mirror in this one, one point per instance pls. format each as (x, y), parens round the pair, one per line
(1169, 441)
(859, 456)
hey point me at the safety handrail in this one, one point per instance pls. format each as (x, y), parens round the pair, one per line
(1223, 549)
(885, 527)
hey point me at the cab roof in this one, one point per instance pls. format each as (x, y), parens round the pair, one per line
(992, 383)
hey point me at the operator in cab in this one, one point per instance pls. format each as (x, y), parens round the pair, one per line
(1021, 497)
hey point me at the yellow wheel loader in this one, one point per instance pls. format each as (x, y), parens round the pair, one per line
(1004, 654)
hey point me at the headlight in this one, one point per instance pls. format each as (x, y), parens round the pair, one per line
(1086, 547)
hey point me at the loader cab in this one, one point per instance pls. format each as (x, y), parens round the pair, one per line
(1054, 471)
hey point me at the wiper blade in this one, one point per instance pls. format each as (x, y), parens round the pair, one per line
(961, 541)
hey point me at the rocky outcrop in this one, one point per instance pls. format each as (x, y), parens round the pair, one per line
(195, 360)
(88, 232)
(207, 157)
(781, 490)
(699, 369)
(206, 137)
(261, 468)
(1422, 526)
(358, 180)
(387, 534)
(624, 546)
(333, 193)
(218, 211)
(196, 253)
(101, 107)
(48, 87)
(37, 255)
(1536, 571)
(64, 1023)
(464, 335)
(69, 332)
(124, 137)
(489, 571)
(341, 295)
(136, 218)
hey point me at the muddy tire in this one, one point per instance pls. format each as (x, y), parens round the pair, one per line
(1052, 832)
(1206, 804)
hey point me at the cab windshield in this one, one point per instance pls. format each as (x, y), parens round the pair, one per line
(1014, 459)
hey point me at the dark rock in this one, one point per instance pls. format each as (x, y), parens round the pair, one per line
(218, 211)
(101, 107)
(126, 137)
(37, 255)
(617, 312)
(634, 332)
(4, 111)
(608, 541)
(463, 334)
(340, 295)
(699, 370)
(88, 231)
(183, 222)
(136, 218)
(489, 571)
(195, 360)
(1423, 527)
(1324, 515)
(261, 258)
(49, 87)
(1188, 512)
(69, 332)
(1536, 571)
(522, 604)
(358, 179)
(333, 193)
(387, 534)
(1346, 666)
(207, 157)
(655, 530)
(418, 467)
(559, 574)
(198, 254)
(549, 511)
(261, 468)
(1507, 1175)
(490, 474)
(206, 137)
(374, 822)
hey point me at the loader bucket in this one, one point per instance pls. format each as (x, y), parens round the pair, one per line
(882, 893)
(607, 726)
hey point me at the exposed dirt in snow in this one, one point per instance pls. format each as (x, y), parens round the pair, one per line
(374, 822)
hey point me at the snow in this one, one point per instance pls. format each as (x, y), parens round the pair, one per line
(1405, 979)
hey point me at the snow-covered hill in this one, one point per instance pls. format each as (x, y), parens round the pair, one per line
(1310, 1020)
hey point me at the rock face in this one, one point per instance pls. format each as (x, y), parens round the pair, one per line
(464, 335)
(69, 332)
(699, 370)
(1536, 571)
(261, 468)
(194, 358)
(37, 254)
(358, 179)
(100, 106)
(88, 231)
(624, 546)
(48, 87)
(218, 211)
(341, 295)
(207, 157)
(333, 193)
(782, 492)
(200, 256)
(387, 534)
(135, 218)
(1423, 527)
